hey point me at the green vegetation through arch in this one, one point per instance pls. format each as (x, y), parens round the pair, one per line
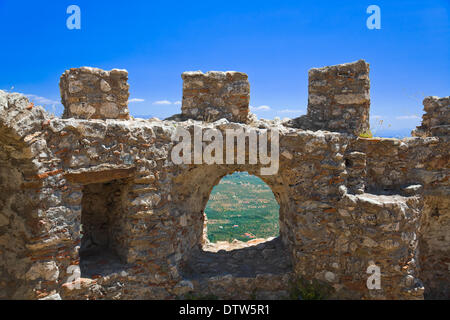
(242, 207)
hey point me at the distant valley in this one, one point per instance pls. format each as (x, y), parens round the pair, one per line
(242, 207)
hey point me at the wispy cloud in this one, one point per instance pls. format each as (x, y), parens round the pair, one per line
(260, 108)
(136, 100)
(41, 100)
(49, 104)
(292, 111)
(160, 102)
(177, 102)
(407, 117)
(376, 116)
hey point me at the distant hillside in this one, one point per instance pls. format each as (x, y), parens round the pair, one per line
(242, 207)
(394, 133)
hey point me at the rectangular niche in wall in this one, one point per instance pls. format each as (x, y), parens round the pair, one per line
(102, 219)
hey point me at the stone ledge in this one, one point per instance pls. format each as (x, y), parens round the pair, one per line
(99, 174)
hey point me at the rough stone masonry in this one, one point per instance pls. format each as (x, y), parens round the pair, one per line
(92, 207)
(91, 93)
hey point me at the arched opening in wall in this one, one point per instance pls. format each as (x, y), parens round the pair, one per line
(241, 211)
(243, 232)
(102, 223)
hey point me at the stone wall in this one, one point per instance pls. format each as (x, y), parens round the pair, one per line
(35, 245)
(393, 165)
(434, 249)
(416, 167)
(339, 99)
(91, 93)
(215, 95)
(346, 203)
(380, 230)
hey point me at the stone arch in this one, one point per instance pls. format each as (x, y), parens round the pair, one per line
(21, 199)
(251, 268)
(193, 187)
(18, 207)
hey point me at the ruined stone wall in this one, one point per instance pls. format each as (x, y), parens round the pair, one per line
(396, 165)
(91, 93)
(435, 221)
(164, 209)
(35, 245)
(434, 247)
(379, 230)
(345, 204)
(215, 95)
(415, 167)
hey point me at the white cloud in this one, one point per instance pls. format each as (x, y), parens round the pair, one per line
(135, 100)
(177, 102)
(162, 102)
(407, 117)
(376, 117)
(41, 100)
(260, 108)
(292, 111)
(48, 104)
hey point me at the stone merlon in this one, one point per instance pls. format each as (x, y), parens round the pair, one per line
(91, 93)
(214, 95)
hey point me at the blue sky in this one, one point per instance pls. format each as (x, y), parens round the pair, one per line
(274, 42)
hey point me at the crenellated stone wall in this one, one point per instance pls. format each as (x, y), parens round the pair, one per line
(105, 195)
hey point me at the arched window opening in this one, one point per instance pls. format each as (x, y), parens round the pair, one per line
(241, 211)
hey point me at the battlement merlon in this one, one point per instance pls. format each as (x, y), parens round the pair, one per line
(214, 95)
(91, 93)
(338, 99)
(436, 119)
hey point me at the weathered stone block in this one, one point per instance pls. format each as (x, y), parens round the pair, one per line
(215, 95)
(339, 99)
(91, 93)
(436, 119)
